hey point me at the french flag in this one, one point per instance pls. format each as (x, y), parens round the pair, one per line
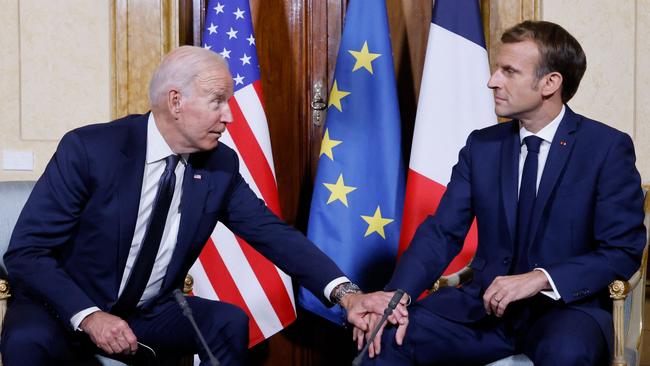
(454, 101)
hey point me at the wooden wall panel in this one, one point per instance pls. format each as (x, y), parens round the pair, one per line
(143, 31)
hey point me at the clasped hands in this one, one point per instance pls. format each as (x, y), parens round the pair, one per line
(365, 311)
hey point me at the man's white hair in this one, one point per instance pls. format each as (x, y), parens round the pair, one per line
(179, 68)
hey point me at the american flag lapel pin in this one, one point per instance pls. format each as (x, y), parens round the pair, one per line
(197, 176)
(562, 143)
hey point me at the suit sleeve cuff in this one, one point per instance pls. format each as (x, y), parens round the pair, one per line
(80, 316)
(553, 294)
(330, 286)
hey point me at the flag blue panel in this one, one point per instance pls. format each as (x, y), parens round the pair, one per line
(462, 17)
(359, 189)
(229, 32)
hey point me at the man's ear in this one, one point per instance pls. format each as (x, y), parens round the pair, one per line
(174, 102)
(551, 83)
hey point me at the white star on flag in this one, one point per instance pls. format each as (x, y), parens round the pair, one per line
(232, 33)
(225, 53)
(218, 8)
(207, 46)
(251, 40)
(239, 79)
(245, 60)
(239, 14)
(213, 28)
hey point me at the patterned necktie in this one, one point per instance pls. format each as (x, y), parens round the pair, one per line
(143, 265)
(527, 196)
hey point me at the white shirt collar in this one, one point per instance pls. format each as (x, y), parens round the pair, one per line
(548, 132)
(157, 148)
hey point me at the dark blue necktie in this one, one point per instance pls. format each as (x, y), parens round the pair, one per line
(527, 196)
(143, 265)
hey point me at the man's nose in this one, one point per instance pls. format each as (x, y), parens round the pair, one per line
(226, 116)
(493, 83)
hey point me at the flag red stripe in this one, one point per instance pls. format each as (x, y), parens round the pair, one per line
(271, 282)
(224, 286)
(422, 199)
(253, 156)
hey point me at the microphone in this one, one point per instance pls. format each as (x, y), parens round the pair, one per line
(392, 304)
(187, 311)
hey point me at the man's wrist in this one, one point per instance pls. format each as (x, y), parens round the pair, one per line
(343, 289)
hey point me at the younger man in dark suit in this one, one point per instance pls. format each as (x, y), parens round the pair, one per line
(559, 208)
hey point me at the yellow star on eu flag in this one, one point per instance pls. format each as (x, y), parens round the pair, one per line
(364, 58)
(339, 191)
(376, 223)
(327, 145)
(335, 97)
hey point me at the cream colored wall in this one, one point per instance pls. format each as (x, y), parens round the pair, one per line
(55, 74)
(616, 85)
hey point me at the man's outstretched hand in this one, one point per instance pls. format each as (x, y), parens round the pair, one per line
(365, 310)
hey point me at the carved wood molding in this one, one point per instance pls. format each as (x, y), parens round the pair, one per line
(142, 31)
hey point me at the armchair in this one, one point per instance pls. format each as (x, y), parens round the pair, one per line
(628, 297)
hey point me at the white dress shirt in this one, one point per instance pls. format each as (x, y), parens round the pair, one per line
(546, 134)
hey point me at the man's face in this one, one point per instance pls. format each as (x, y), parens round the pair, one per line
(517, 92)
(205, 112)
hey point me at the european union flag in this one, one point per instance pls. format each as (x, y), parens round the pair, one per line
(358, 195)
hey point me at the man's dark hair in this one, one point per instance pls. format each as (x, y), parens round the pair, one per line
(558, 52)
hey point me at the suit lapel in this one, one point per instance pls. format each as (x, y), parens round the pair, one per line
(130, 185)
(510, 148)
(195, 190)
(558, 155)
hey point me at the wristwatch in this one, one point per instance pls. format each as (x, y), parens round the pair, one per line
(341, 290)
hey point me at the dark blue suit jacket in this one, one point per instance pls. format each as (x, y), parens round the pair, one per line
(71, 242)
(586, 231)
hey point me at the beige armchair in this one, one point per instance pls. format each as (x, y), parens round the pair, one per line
(628, 298)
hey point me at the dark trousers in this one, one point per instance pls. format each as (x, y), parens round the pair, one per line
(32, 335)
(548, 335)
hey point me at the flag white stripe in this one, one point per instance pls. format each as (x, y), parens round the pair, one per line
(202, 286)
(243, 170)
(251, 107)
(451, 104)
(246, 281)
(226, 138)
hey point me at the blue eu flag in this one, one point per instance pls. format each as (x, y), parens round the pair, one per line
(358, 195)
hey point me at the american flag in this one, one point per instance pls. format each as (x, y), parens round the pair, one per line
(229, 269)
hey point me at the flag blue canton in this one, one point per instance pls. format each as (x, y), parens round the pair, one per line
(229, 32)
(357, 202)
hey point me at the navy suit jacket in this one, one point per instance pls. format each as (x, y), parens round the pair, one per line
(586, 230)
(71, 242)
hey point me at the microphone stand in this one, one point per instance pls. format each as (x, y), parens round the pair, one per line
(389, 310)
(187, 311)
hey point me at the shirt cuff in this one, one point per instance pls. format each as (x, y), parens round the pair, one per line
(554, 294)
(80, 316)
(330, 286)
